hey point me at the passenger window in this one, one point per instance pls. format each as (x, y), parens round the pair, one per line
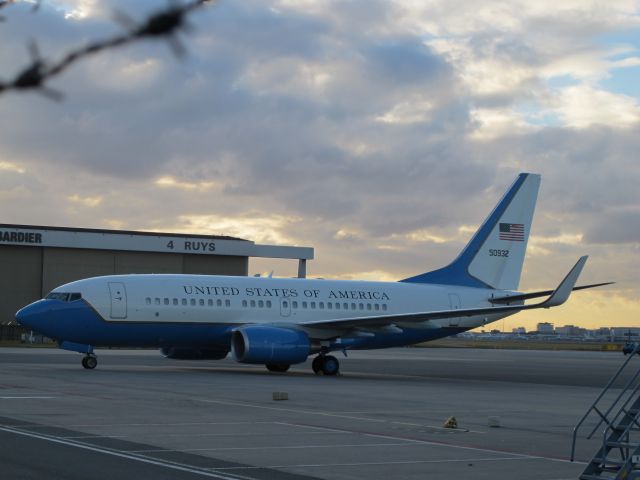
(201, 302)
(148, 300)
(377, 307)
(361, 306)
(321, 305)
(210, 302)
(285, 304)
(157, 301)
(345, 306)
(253, 303)
(304, 304)
(368, 306)
(227, 303)
(329, 305)
(192, 302)
(175, 301)
(353, 306)
(219, 303)
(384, 307)
(261, 303)
(294, 304)
(268, 303)
(166, 301)
(244, 303)
(184, 301)
(313, 304)
(337, 306)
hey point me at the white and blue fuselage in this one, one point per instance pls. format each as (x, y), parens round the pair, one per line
(201, 311)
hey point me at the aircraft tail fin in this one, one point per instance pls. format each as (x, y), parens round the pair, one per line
(493, 258)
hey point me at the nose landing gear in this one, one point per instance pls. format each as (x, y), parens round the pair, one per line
(325, 364)
(90, 361)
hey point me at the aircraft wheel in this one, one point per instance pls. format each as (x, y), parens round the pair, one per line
(89, 362)
(316, 365)
(277, 367)
(330, 365)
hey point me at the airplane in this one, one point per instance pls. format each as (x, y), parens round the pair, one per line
(280, 322)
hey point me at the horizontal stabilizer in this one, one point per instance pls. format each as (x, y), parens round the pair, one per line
(544, 293)
(557, 297)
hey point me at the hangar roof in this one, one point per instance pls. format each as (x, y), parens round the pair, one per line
(127, 240)
(108, 231)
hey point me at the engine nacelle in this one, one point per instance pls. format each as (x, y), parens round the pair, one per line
(266, 344)
(192, 353)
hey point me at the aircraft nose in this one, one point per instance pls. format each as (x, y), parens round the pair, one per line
(28, 316)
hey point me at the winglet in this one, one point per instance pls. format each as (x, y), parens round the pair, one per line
(561, 294)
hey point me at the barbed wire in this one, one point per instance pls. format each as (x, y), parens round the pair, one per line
(164, 23)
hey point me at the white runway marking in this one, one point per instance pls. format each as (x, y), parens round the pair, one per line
(477, 449)
(120, 454)
(282, 409)
(191, 435)
(136, 425)
(23, 397)
(313, 427)
(362, 464)
(275, 447)
(339, 415)
(426, 442)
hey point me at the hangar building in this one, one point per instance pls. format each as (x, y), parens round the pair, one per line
(36, 259)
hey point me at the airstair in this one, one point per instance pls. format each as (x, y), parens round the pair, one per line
(618, 415)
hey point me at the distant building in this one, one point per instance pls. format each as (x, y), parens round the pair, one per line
(545, 327)
(623, 333)
(519, 330)
(601, 332)
(571, 330)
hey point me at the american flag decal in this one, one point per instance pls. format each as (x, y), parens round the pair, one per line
(513, 232)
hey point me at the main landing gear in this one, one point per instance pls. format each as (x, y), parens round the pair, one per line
(90, 361)
(325, 364)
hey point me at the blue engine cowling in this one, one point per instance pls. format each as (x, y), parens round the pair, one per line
(191, 353)
(266, 344)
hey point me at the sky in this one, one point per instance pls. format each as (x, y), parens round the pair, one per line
(381, 133)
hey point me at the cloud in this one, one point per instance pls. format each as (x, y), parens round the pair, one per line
(582, 106)
(269, 230)
(85, 201)
(616, 228)
(11, 167)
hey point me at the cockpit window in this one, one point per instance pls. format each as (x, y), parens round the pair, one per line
(64, 296)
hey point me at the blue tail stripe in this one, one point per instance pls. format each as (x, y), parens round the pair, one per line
(457, 272)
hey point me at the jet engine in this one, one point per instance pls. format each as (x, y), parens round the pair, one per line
(191, 353)
(269, 345)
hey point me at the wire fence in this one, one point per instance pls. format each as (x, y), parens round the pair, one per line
(18, 334)
(163, 24)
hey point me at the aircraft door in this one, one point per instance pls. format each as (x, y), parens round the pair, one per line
(285, 307)
(118, 300)
(454, 303)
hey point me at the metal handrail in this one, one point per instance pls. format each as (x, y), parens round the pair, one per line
(615, 402)
(603, 417)
(625, 411)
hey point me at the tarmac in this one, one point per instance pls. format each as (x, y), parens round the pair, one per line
(138, 415)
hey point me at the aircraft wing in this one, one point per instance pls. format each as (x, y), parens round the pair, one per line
(557, 297)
